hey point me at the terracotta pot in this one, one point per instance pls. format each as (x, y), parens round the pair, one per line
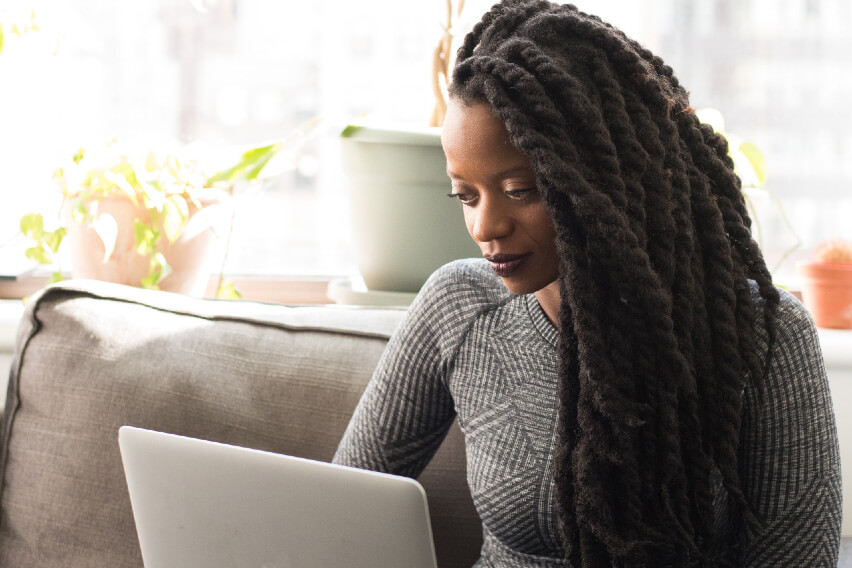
(190, 256)
(827, 293)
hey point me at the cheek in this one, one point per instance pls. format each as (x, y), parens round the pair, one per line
(548, 232)
(541, 226)
(469, 218)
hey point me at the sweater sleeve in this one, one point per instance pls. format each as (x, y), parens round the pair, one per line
(406, 409)
(791, 468)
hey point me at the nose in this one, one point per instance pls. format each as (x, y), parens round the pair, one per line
(489, 220)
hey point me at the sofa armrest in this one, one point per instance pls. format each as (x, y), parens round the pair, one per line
(92, 356)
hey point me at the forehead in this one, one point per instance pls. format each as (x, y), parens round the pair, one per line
(474, 130)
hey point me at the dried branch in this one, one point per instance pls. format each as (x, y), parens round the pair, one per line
(441, 66)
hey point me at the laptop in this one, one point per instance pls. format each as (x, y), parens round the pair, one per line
(203, 504)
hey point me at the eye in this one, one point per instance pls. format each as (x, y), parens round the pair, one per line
(522, 194)
(465, 198)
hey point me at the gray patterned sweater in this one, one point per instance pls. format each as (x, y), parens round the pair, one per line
(469, 348)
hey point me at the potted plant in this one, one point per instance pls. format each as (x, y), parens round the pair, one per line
(393, 167)
(146, 220)
(827, 284)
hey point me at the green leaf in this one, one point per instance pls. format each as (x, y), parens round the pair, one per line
(225, 175)
(120, 179)
(46, 242)
(54, 239)
(227, 291)
(175, 215)
(56, 277)
(78, 157)
(125, 168)
(158, 269)
(250, 165)
(150, 281)
(79, 211)
(38, 254)
(755, 157)
(2, 39)
(146, 238)
(253, 161)
(350, 131)
(260, 161)
(32, 225)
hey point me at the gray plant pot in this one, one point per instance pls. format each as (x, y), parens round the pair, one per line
(404, 227)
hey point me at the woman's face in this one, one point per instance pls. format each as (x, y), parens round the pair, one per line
(497, 189)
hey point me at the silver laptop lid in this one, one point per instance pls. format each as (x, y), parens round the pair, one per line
(204, 504)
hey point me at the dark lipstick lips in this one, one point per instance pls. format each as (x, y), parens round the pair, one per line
(506, 264)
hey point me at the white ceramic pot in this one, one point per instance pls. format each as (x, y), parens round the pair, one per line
(404, 226)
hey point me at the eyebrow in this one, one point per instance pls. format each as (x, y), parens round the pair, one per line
(507, 172)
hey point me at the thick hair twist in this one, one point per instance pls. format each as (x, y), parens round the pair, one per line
(658, 275)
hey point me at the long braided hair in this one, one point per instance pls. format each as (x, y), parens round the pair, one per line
(658, 273)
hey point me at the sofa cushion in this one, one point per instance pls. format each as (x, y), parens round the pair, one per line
(93, 356)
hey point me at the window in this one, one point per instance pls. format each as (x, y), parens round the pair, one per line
(230, 73)
(225, 73)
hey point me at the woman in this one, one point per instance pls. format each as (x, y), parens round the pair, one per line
(632, 388)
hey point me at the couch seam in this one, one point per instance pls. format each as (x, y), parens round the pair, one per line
(13, 403)
(60, 291)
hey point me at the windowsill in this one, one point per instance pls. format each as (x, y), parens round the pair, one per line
(271, 289)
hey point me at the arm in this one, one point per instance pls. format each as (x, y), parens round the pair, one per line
(407, 409)
(791, 468)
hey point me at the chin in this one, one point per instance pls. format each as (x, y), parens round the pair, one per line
(520, 287)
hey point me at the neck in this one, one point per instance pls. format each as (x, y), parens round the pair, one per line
(548, 299)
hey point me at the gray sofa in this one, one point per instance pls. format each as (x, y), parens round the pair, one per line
(92, 356)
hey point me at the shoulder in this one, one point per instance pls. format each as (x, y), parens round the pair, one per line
(793, 323)
(793, 317)
(452, 299)
(796, 334)
(796, 372)
(462, 282)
